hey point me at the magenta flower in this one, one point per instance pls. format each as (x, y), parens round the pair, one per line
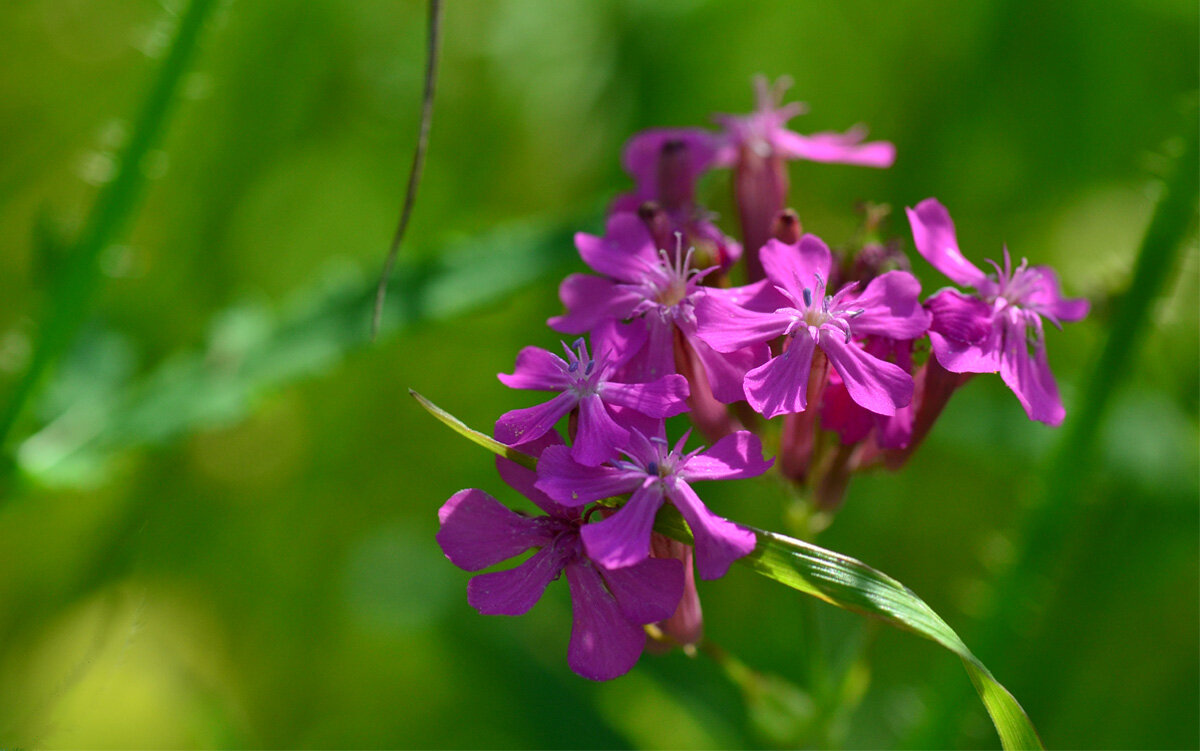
(587, 384)
(656, 291)
(656, 473)
(763, 133)
(999, 328)
(609, 606)
(665, 164)
(798, 308)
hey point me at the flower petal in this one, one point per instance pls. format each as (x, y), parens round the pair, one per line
(891, 307)
(537, 369)
(873, 383)
(624, 250)
(632, 420)
(734, 457)
(665, 397)
(1029, 376)
(598, 435)
(649, 591)
(657, 358)
(781, 385)
(794, 267)
(727, 327)
(604, 643)
(515, 591)
(935, 238)
(574, 484)
(963, 357)
(523, 425)
(623, 539)
(1047, 298)
(964, 318)
(842, 148)
(760, 296)
(616, 342)
(478, 531)
(726, 371)
(591, 300)
(719, 542)
(522, 479)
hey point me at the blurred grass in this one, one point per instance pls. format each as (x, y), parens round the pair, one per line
(271, 580)
(77, 270)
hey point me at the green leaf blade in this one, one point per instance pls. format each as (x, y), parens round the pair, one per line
(855, 586)
(474, 436)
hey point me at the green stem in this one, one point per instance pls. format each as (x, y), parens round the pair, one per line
(109, 217)
(1039, 544)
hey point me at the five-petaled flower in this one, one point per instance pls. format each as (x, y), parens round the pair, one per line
(763, 132)
(1000, 327)
(792, 302)
(584, 383)
(654, 472)
(655, 291)
(609, 605)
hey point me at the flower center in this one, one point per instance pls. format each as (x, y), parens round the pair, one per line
(668, 283)
(582, 367)
(673, 293)
(816, 317)
(816, 310)
(1014, 285)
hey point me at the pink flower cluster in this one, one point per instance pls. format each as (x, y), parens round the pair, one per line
(839, 345)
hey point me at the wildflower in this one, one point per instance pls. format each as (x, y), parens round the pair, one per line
(609, 606)
(758, 145)
(797, 307)
(656, 291)
(656, 473)
(762, 132)
(587, 384)
(665, 164)
(1000, 327)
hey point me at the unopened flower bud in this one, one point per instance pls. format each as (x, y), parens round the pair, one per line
(676, 177)
(686, 626)
(934, 387)
(658, 222)
(760, 186)
(874, 259)
(787, 228)
(799, 429)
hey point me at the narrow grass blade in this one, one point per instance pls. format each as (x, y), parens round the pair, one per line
(458, 426)
(850, 584)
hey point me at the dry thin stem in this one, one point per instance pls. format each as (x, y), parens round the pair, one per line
(418, 162)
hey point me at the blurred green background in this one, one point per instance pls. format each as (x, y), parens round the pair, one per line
(218, 527)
